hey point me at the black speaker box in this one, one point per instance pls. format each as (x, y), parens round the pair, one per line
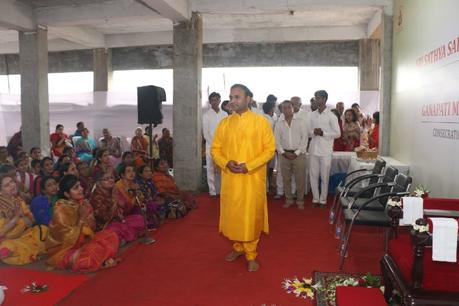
(149, 99)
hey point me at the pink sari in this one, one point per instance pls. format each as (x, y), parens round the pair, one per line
(109, 214)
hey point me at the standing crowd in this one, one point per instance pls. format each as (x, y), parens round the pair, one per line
(78, 206)
(305, 141)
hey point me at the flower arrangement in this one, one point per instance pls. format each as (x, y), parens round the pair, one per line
(304, 288)
(394, 201)
(301, 288)
(328, 291)
(421, 191)
(421, 228)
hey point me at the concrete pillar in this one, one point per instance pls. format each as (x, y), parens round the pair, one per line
(33, 66)
(386, 84)
(102, 66)
(187, 112)
(369, 63)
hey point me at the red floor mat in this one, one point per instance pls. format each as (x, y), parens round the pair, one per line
(59, 286)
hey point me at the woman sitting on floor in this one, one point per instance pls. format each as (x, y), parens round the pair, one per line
(84, 146)
(139, 145)
(102, 163)
(155, 205)
(167, 188)
(46, 169)
(42, 205)
(20, 243)
(71, 242)
(24, 178)
(109, 214)
(126, 159)
(68, 168)
(86, 180)
(130, 197)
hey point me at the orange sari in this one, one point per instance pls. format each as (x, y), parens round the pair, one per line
(139, 146)
(73, 245)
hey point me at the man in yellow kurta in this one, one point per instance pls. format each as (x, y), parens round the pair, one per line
(243, 143)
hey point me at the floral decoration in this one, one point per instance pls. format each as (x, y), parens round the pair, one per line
(421, 228)
(368, 280)
(300, 287)
(34, 288)
(421, 191)
(304, 288)
(394, 201)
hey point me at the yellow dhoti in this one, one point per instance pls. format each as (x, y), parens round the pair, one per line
(249, 248)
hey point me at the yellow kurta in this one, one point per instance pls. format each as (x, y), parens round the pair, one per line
(246, 138)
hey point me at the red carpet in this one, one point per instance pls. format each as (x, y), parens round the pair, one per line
(59, 285)
(186, 266)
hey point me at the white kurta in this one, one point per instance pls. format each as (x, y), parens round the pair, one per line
(210, 121)
(320, 152)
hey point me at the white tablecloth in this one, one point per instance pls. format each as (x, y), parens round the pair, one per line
(356, 164)
(341, 162)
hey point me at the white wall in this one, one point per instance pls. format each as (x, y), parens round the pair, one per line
(420, 79)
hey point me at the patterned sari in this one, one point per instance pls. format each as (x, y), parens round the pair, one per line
(108, 214)
(84, 148)
(168, 190)
(139, 146)
(125, 193)
(73, 245)
(21, 244)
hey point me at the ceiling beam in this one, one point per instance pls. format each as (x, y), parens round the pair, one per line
(91, 13)
(243, 35)
(84, 37)
(15, 15)
(174, 10)
(254, 6)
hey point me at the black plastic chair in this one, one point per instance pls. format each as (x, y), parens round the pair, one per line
(361, 197)
(360, 215)
(344, 188)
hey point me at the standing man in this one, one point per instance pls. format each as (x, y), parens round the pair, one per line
(243, 143)
(291, 142)
(323, 130)
(210, 121)
(313, 103)
(165, 145)
(340, 108)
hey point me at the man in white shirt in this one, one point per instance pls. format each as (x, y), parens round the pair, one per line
(210, 121)
(291, 134)
(323, 130)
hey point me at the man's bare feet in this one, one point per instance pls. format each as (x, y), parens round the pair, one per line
(253, 265)
(233, 256)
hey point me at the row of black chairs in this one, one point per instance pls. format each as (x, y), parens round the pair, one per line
(361, 199)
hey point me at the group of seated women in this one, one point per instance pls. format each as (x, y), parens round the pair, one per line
(77, 214)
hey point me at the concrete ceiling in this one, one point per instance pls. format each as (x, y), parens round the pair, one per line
(85, 24)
